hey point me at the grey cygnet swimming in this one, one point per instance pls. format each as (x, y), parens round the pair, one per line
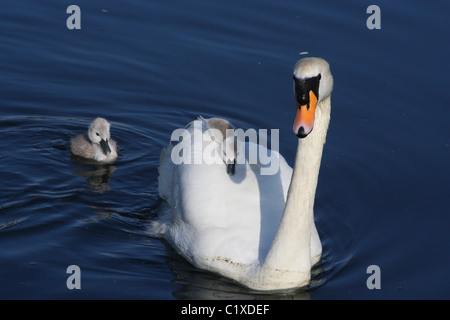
(96, 144)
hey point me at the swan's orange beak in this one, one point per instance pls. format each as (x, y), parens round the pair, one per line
(304, 118)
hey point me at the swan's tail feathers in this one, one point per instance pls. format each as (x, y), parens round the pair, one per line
(199, 118)
(165, 171)
(159, 226)
(204, 123)
(165, 180)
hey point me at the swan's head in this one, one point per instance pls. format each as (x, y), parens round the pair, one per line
(313, 83)
(99, 134)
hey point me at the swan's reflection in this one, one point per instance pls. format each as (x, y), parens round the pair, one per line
(96, 175)
(197, 284)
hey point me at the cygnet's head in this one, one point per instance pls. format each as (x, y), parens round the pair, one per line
(230, 153)
(313, 83)
(99, 134)
(222, 132)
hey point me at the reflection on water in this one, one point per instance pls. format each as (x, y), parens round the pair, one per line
(198, 284)
(97, 175)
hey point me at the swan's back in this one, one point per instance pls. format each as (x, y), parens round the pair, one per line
(213, 218)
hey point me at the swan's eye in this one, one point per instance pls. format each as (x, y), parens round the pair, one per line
(97, 134)
(303, 86)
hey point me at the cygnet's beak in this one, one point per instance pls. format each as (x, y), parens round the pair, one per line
(231, 167)
(105, 146)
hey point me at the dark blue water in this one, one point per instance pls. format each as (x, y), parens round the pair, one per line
(150, 67)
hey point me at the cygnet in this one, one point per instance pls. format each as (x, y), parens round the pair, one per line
(96, 144)
(227, 142)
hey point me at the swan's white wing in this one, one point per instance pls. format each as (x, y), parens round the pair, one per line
(213, 217)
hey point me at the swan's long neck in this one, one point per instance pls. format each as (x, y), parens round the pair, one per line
(289, 257)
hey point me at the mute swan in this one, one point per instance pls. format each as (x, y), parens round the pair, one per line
(96, 144)
(256, 229)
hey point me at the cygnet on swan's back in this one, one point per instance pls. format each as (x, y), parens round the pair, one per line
(228, 143)
(96, 144)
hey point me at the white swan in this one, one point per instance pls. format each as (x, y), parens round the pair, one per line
(256, 229)
(96, 144)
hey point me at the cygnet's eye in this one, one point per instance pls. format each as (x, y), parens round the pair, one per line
(97, 134)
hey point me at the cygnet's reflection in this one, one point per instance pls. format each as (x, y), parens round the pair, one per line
(96, 175)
